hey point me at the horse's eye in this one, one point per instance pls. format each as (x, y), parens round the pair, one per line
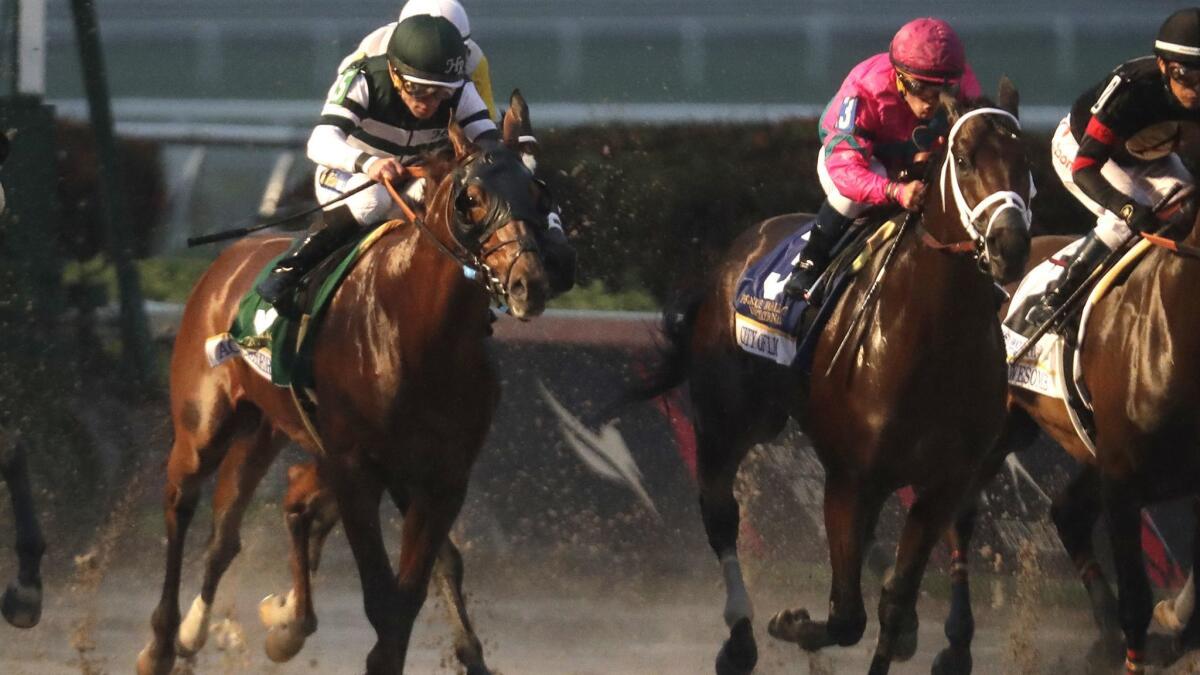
(467, 201)
(961, 162)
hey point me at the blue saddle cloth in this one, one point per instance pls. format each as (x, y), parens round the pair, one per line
(775, 326)
(767, 319)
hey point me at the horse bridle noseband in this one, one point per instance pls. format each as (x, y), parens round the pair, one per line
(471, 255)
(997, 201)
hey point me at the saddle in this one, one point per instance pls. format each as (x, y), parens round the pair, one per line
(774, 326)
(1052, 367)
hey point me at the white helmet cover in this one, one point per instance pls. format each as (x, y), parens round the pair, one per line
(450, 9)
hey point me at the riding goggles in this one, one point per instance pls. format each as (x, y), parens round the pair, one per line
(925, 90)
(421, 89)
(1188, 76)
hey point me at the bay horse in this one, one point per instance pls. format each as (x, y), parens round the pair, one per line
(404, 388)
(917, 400)
(22, 601)
(1140, 363)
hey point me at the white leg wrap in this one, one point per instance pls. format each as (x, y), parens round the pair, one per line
(737, 600)
(193, 632)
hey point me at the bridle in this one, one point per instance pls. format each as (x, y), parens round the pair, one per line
(469, 238)
(971, 217)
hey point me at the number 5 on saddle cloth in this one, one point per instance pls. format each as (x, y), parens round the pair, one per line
(774, 326)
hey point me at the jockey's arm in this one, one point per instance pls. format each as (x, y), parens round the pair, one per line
(472, 115)
(327, 145)
(847, 159)
(1095, 149)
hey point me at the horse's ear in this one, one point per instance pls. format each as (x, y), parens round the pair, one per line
(1007, 96)
(952, 107)
(458, 139)
(516, 120)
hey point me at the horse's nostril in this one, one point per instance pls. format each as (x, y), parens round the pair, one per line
(518, 289)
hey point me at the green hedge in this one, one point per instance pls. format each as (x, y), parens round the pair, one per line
(650, 207)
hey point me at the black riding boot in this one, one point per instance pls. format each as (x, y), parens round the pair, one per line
(1090, 253)
(336, 227)
(829, 228)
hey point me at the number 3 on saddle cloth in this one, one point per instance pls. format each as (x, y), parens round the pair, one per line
(774, 326)
(279, 348)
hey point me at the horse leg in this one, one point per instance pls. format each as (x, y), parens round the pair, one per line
(194, 456)
(1189, 636)
(448, 574)
(850, 515)
(927, 520)
(718, 457)
(1019, 432)
(250, 454)
(1075, 511)
(1122, 510)
(22, 604)
(1175, 613)
(358, 490)
(290, 617)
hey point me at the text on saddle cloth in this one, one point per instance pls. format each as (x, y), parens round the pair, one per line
(768, 322)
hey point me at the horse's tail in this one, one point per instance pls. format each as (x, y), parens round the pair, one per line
(672, 365)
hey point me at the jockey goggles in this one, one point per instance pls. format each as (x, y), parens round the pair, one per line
(923, 89)
(421, 90)
(1188, 76)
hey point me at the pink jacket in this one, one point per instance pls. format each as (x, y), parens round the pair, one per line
(869, 118)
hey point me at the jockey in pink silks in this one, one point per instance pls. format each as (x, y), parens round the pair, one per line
(867, 133)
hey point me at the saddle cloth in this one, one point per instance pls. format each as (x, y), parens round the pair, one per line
(278, 348)
(772, 325)
(1052, 367)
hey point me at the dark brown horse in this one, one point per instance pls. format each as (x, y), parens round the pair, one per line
(1141, 362)
(22, 602)
(916, 399)
(404, 387)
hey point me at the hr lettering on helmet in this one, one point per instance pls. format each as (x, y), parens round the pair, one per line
(340, 88)
(456, 65)
(1109, 89)
(846, 115)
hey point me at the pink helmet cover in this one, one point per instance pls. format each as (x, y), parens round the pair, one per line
(928, 49)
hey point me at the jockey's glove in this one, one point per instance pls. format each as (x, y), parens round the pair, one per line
(1139, 217)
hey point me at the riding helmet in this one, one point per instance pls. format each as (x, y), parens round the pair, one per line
(1179, 37)
(428, 50)
(928, 49)
(450, 9)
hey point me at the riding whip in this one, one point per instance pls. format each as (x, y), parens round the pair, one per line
(243, 231)
(1071, 305)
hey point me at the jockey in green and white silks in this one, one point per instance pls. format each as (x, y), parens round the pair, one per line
(381, 114)
(478, 69)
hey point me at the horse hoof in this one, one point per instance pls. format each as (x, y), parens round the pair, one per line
(283, 643)
(1165, 617)
(478, 670)
(795, 625)
(274, 610)
(150, 662)
(905, 646)
(952, 661)
(739, 654)
(22, 605)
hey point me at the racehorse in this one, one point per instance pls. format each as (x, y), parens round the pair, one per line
(1140, 359)
(404, 389)
(22, 602)
(917, 399)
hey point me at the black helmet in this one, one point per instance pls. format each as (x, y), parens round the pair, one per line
(1179, 38)
(428, 50)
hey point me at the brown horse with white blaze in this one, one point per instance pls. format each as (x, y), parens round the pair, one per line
(916, 397)
(404, 388)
